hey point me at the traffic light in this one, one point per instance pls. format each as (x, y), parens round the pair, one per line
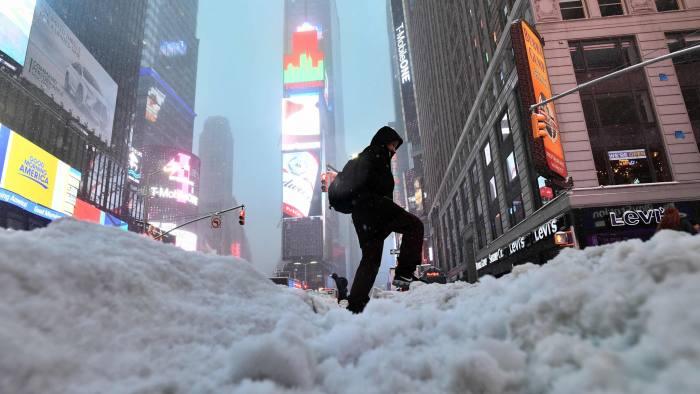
(539, 124)
(241, 217)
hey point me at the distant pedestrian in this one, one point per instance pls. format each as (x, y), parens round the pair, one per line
(341, 284)
(673, 220)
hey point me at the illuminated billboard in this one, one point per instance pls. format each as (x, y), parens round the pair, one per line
(154, 101)
(15, 23)
(300, 174)
(30, 176)
(301, 122)
(171, 178)
(86, 212)
(59, 64)
(303, 67)
(548, 152)
(184, 239)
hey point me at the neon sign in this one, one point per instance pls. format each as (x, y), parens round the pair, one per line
(178, 170)
(303, 68)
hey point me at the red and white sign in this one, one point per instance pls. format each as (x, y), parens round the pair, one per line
(299, 174)
(301, 122)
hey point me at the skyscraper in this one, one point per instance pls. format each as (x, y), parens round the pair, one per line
(595, 167)
(216, 191)
(312, 136)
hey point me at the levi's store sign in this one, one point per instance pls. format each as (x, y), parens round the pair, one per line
(544, 231)
(533, 78)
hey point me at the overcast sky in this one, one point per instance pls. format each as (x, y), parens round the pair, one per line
(240, 77)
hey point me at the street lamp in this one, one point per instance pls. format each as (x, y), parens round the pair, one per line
(306, 278)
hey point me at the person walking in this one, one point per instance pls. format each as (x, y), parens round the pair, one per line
(674, 220)
(341, 284)
(375, 216)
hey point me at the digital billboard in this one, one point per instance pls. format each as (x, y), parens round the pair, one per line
(301, 184)
(548, 152)
(171, 178)
(15, 23)
(154, 101)
(59, 64)
(28, 172)
(302, 238)
(87, 212)
(301, 122)
(303, 67)
(186, 240)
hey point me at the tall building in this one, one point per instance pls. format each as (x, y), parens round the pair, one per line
(312, 136)
(409, 161)
(606, 161)
(216, 192)
(55, 125)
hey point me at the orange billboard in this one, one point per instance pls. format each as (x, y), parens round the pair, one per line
(535, 88)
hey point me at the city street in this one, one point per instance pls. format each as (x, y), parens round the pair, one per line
(90, 309)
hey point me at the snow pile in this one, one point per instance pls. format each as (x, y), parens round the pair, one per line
(90, 309)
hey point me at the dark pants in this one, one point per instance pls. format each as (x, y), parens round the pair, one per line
(342, 295)
(374, 220)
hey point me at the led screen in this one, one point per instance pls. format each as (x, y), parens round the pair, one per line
(59, 64)
(303, 67)
(301, 122)
(300, 172)
(15, 23)
(186, 240)
(30, 172)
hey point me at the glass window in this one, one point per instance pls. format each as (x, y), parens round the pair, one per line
(687, 69)
(497, 226)
(505, 126)
(571, 9)
(625, 139)
(666, 5)
(516, 210)
(487, 154)
(512, 170)
(493, 193)
(610, 7)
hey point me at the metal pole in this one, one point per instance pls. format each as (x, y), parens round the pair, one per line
(615, 74)
(198, 219)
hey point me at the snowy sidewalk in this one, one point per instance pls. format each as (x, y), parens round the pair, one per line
(89, 309)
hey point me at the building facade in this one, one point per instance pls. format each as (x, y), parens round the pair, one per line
(312, 137)
(629, 144)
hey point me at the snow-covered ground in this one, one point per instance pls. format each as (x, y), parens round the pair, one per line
(89, 309)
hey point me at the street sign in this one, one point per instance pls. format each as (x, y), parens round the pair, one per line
(216, 221)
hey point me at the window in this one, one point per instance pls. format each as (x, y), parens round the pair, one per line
(666, 5)
(505, 126)
(571, 9)
(493, 193)
(516, 210)
(610, 7)
(487, 154)
(687, 69)
(512, 170)
(625, 139)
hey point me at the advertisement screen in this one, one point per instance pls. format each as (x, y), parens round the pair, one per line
(303, 67)
(171, 177)
(58, 63)
(532, 69)
(15, 23)
(32, 173)
(153, 103)
(300, 183)
(89, 213)
(186, 240)
(302, 238)
(301, 122)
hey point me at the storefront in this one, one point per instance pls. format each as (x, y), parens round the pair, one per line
(604, 225)
(535, 246)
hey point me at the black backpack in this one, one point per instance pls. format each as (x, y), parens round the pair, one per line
(344, 188)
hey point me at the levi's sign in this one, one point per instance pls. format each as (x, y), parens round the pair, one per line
(637, 216)
(539, 233)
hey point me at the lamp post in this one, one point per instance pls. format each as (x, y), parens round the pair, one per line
(306, 276)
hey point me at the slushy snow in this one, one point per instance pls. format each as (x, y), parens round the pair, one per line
(89, 309)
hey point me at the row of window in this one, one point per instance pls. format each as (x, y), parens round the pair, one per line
(625, 138)
(577, 9)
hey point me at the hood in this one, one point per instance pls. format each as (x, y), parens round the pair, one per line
(385, 135)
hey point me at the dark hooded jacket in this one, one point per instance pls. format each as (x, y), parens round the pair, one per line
(375, 164)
